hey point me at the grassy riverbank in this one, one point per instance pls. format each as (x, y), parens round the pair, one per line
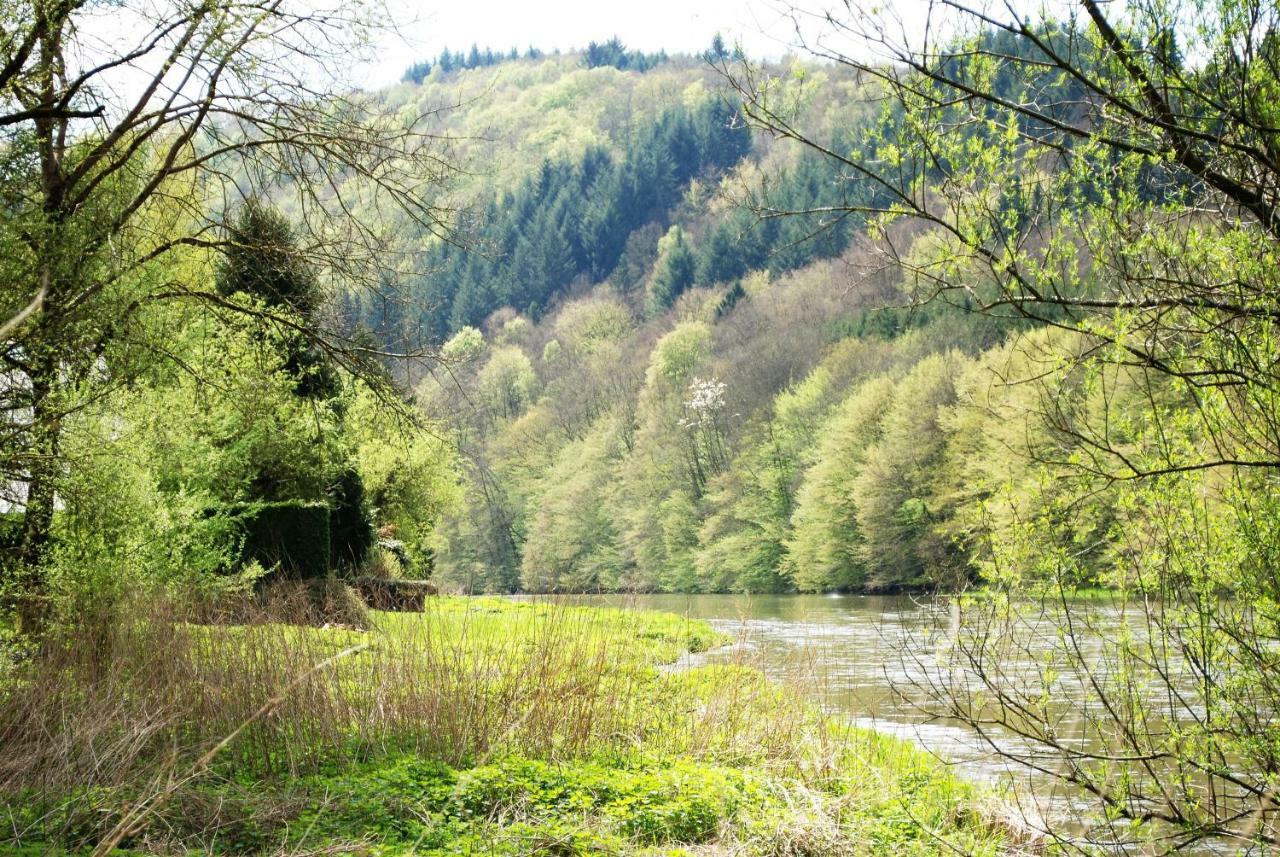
(479, 727)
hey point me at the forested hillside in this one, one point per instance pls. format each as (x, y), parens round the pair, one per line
(656, 383)
(577, 169)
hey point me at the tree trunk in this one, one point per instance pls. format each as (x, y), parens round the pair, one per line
(37, 529)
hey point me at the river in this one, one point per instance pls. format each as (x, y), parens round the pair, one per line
(864, 657)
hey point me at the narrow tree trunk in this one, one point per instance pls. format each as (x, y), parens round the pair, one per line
(42, 472)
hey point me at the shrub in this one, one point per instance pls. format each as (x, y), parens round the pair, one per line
(395, 595)
(290, 536)
(10, 536)
(351, 533)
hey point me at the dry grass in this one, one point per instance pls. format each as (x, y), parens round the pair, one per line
(125, 705)
(114, 718)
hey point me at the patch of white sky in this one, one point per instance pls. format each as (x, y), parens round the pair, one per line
(766, 29)
(763, 28)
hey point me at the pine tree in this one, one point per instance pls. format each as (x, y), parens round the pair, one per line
(674, 272)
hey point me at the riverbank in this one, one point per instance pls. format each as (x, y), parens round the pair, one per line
(480, 726)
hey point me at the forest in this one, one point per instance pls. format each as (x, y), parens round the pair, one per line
(345, 431)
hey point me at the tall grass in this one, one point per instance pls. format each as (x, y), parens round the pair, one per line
(119, 709)
(121, 702)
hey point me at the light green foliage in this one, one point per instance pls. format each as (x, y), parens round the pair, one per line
(156, 461)
(238, 430)
(676, 357)
(664, 460)
(583, 326)
(514, 329)
(507, 382)
(742, 542)
(635, 762)
(409, 472)
(678, 521)
(561, 108)
(464, 346)
(1106, 187)
(571, 545)
(896, 512)
(825, 550)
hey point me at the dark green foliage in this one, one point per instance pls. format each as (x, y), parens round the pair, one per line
(675, 272)
(722, 260)
(718, 52)
(449, 61)
(290, 536)
(261, 259)
(745, 240)
(427, 804)
(614, 53)
(10, 535)
(572, 220)
(350, 530)
(11, 530)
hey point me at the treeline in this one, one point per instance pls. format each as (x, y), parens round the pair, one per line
(611, 53)
(606, 452)
(449, 61)
(764, 450)
(614, 53)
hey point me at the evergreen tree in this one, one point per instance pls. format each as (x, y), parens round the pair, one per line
(674, 272)
(262, 262)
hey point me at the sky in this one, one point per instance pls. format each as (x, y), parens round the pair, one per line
(677, 26)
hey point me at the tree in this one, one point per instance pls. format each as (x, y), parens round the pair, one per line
(1088, 145)
(572, 544)
(896, 512)
(105, 185)
(674, 271)
(825, 548)
(663, 459)
(261, 260)
(1111, 173)
(717, 52)
(507, 383)
(261, 263)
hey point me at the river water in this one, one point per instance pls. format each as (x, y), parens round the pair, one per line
(865, 658)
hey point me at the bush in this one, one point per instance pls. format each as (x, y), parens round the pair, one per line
(316, 602)
(350, 531)
(289, 536)
(395, 595)
(10, 536)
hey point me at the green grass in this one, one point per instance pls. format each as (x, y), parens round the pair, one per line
(484, 726)
(644, 637)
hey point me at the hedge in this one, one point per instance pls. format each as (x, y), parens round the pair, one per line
(289, 535)
(351, 534)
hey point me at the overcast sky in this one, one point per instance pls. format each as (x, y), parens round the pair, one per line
(650, 25)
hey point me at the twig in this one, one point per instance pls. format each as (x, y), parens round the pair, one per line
(133, 819)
